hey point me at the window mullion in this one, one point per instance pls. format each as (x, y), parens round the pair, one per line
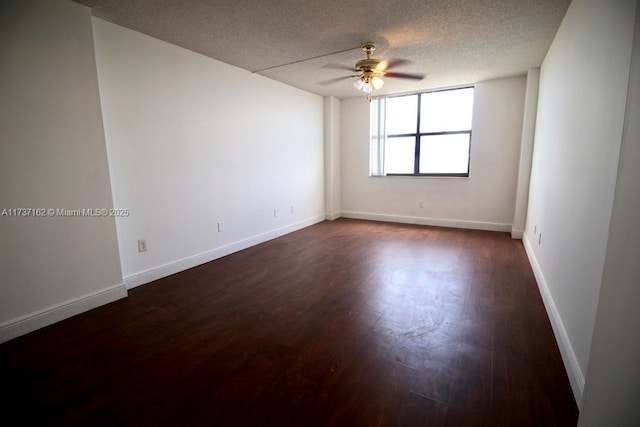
(416, 158)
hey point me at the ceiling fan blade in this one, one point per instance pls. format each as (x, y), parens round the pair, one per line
(336, 80)
(392, 63)
(405, 76)
(338, 67)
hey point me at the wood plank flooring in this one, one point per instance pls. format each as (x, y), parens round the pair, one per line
(347, 322)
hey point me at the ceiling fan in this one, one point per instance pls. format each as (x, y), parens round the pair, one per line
(371, 70)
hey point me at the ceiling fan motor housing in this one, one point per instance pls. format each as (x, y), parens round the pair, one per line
(370, 64)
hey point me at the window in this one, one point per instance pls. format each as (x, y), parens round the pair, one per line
(424, 134)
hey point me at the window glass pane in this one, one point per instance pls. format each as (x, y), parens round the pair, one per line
(444, 153)
(402, 113)
(447, 110)
(399, 154)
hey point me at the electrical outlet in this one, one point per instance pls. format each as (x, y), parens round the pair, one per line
(220, 226)
(292, 210)
(539, 238)
(421, 204)
(275, 213)
(142, 245)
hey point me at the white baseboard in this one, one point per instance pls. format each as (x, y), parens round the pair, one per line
(576, 377)
(452, 223)
(517, 234)
(29, 323)
(143, 277)
(332, 216)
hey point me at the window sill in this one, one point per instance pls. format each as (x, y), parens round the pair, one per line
(460, 176)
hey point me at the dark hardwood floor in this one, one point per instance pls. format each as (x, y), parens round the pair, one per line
(347, 322)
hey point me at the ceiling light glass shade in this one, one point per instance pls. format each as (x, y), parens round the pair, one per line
(358, 84)
(367, 87)
(377, 82)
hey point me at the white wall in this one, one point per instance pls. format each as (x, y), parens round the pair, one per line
(612, 385)
(332, 157)
(484, 200)
(583, 88)
(526, 152)
(193, 141)
(52, 155)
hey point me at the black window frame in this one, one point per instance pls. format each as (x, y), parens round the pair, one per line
(418, 136)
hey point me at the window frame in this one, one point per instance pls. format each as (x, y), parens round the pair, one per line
(417, 135)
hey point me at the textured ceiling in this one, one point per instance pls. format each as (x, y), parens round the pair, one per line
(453, 42)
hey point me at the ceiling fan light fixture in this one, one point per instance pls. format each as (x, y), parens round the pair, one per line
(377, 83)
(368, 82)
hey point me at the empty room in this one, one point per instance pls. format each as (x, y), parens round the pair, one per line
(382, 213)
